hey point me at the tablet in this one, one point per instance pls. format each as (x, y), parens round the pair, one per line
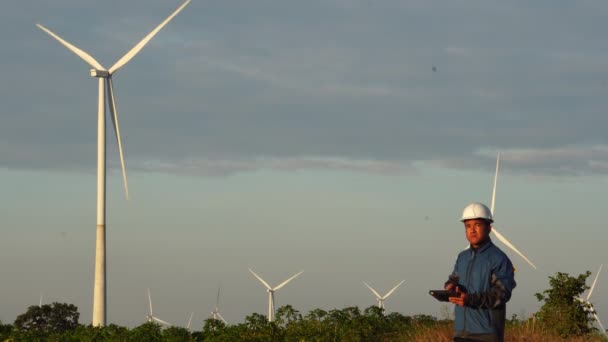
(443, 295)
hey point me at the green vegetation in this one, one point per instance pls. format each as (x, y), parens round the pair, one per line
(562, 318)
(563, 312)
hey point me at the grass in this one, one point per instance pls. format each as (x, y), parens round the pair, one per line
(522, 332)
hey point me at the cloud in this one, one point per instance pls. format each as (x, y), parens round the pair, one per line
(226, 167)
(231, 86)
(571, 160)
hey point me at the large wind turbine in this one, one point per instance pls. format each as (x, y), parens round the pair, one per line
(271, 290)
(494, 230)
(215, 314)
(151, 317)
(380, 298)
(104, 77)
(586, 301)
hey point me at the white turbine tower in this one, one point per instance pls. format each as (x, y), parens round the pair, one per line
(380, 298)
(494, 230)
(215, 314)
(271, 290)
(105, 85)
(151, 317)
(586, 301)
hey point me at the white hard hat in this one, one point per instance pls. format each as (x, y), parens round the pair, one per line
(476, 211)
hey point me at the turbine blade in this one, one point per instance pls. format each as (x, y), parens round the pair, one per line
(190, 321)
(494, 188)
(127, 57)
(222, 318)
(594, 281)
(510, 245)
(83, 55)
(150, 301)
(117, 133)
(374, 291)
(393, 290)
(599, 322)
(161, 321)
(287, 281)
(261, 280)
(217, 302)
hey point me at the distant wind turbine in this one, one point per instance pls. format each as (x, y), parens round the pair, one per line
(105, 84)
(271, 290)
(190, 321)
(151, 317)
(586, 301)
(380, 298)
(494, 230)
(215, 314)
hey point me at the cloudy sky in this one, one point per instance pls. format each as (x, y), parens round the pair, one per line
(338, 137)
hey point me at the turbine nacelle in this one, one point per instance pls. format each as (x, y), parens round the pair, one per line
(100, 73)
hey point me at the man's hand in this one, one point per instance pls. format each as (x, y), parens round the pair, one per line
(461, 300)
(449, 286)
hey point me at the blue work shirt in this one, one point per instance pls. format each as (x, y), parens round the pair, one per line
(487, 275)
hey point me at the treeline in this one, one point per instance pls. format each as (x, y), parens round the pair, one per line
(349, 324)
(564, 316)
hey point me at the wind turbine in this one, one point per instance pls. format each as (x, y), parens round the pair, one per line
(151, 317)
(190, 321)
(215, 314)
(494, 230)
(380, 298)
(104, 77)
(271, 290)
(591, 308)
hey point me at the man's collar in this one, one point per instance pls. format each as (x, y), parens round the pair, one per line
(483, 247)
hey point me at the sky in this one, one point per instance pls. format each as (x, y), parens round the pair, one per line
(338, 137)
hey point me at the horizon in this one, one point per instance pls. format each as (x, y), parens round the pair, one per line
(337, 137)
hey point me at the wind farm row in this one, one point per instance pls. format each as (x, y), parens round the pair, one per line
(215, 314)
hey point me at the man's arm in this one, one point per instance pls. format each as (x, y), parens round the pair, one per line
(453, 279)
(452, 282)
(502, 284)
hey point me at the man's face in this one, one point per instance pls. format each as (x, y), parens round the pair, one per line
(477, 231)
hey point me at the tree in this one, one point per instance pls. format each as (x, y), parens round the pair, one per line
(147, 332)
(6, 331)
(176, 334)
(562, 311)
(258, 328)
(286, 315)
(53, 318)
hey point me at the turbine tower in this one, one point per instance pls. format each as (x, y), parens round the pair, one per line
(494, 230)
(380, 298)
(271, 290)
(104, 77)
(151, 318)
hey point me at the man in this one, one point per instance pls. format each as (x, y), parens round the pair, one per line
(483, 278)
